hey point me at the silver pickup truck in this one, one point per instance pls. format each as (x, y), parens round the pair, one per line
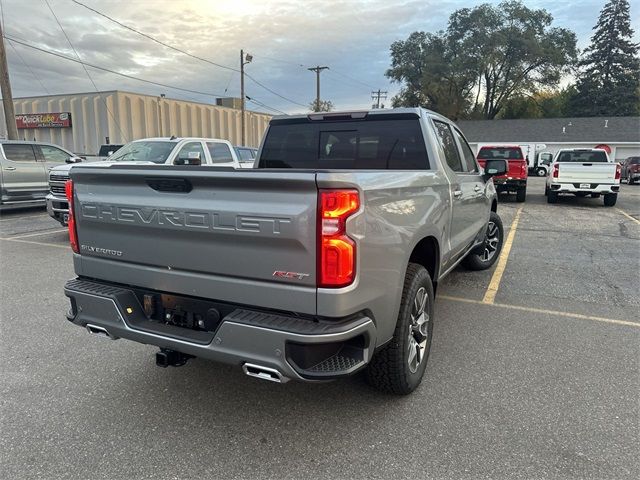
(321, 262)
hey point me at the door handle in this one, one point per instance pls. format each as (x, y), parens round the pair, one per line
(11, 169)
(477, 188)
(457, 193)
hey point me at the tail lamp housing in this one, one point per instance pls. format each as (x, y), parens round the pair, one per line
(336, 250)
(556, 170)
(73, 232)
(618, 171)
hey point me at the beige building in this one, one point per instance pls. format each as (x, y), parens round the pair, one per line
(89, 120)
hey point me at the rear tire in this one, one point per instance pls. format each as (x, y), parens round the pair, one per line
(541, 172)
(521, 194)
(546, 190)
(399, 366)
(552, 197)
(485, 255)
(630, 181)
(610, 199)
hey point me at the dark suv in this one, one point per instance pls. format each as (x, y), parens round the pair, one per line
(631, 169)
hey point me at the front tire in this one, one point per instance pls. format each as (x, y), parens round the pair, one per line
(610, 199)
(541, 172)
(485, 255)
(399, 366)
(630, 180)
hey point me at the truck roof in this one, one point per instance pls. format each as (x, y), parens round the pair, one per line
(377, 111)
(179, 139)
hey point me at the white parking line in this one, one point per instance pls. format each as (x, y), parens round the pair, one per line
(35, 243)
(27, 235)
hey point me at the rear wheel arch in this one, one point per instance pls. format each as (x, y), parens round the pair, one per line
(427, 253)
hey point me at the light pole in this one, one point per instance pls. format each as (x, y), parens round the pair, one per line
(162, 95)
(244, 59)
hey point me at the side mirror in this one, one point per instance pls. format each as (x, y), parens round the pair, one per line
(494, 168)
(73, 160)
(192, 158)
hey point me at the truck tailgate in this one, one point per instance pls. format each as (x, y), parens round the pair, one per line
(597, 172)
(200, 231)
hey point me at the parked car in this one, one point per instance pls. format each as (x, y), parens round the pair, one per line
(24, 167)
(515, 181)
(169, 151)
(631, 169)
(320, 262)
(584, 172)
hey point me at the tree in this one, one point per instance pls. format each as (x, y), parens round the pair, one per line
(609, 78)
(543, 104)
(323, 106)
(487, 55)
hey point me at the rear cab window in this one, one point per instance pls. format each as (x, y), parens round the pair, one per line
(505, 153)
(587, 156)
(374, 142)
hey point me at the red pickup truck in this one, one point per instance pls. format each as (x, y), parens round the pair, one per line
(515, 181)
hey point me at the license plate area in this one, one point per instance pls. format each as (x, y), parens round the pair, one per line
(585, 185)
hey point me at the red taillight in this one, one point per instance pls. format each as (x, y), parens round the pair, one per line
(73, 234)
(337, 252)
(618, 171)
(556, 169)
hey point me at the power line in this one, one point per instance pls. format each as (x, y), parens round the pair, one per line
(28, 67)
(274, 92)
(153, 39)
(264, 105)
(351, 78)
(172, 87)
(87, 71)
(97, 67)
(164, 44)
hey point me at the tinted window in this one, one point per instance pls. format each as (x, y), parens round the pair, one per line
(506, 153)
(468, 157)
(19, 152)
(190, 147)
(151, 151)
(634, 161)
(220, 152)
(245, 154)
(448, 145)
(359, 144)
(53, 154)
(582, 156)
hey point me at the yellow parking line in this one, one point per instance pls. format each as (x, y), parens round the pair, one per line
(494, 284)
(35, 243)
(628, 216)
(543, 311)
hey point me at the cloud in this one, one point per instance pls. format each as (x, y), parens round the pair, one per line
(285, 37)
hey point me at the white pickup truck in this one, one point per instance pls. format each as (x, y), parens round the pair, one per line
(161, 151)
(584, 172)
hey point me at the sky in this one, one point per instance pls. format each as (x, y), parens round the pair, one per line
(285, 37)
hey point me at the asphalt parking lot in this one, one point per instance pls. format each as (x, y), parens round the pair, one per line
(534, 373)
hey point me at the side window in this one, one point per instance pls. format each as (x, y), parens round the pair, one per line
(191, 147)
(220, 152)
(245, 154)
(448, 144)
(53, 154)
(470, 164)
(19, 152)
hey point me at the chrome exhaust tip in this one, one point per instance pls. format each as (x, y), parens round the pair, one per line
(264, 373)
(100, 332)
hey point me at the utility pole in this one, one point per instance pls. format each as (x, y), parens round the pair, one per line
(376, 96)
(7, 98)
(243, 61)
(317, 69)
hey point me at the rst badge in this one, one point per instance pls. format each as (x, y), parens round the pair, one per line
(293, 275)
